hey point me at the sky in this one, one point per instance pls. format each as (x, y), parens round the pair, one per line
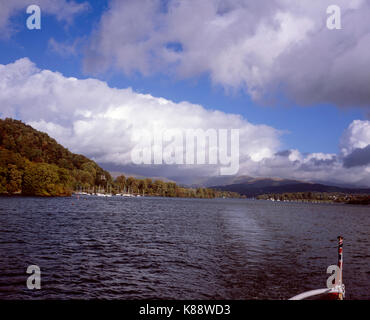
(297, 91)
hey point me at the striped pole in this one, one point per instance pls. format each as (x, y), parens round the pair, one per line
(340, 264)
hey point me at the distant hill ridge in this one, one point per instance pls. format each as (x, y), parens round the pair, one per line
(252, 187)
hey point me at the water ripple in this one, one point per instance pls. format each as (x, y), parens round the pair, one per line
(153, 248)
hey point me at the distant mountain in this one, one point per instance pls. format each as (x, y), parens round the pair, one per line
(216, 181)
(247, 180)
(253, 187)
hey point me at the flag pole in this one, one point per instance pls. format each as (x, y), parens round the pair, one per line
(338, 291)
(340, 265)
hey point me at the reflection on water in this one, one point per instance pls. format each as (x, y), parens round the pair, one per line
(155, 248)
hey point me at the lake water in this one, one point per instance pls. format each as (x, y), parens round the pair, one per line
(157, 248)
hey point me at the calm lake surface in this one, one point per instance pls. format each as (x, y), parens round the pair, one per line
(156, 248)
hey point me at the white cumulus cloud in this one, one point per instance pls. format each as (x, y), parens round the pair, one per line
(357, 136)
(91, 118)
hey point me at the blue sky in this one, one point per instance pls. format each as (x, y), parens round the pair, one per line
(308, 126)
(311, 129)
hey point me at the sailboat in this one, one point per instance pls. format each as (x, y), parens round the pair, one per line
(125, 193)
(108, 193)
(99, 193)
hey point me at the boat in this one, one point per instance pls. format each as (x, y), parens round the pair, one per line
(126, 194)
(334, 291)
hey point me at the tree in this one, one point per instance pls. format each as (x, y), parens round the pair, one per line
(121, 182)
(14, 179)
(42, 179)
(3, 180)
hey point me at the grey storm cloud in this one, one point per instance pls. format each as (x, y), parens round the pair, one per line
(323, 162)
(262, 47)
(283, 153)
(359, 157)
(313, 164)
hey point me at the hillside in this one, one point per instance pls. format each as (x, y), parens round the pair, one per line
(32, 163)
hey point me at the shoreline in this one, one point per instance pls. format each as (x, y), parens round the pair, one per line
(359, 203)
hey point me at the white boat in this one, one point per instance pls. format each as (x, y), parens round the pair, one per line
(337, 291)
(125, 195)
